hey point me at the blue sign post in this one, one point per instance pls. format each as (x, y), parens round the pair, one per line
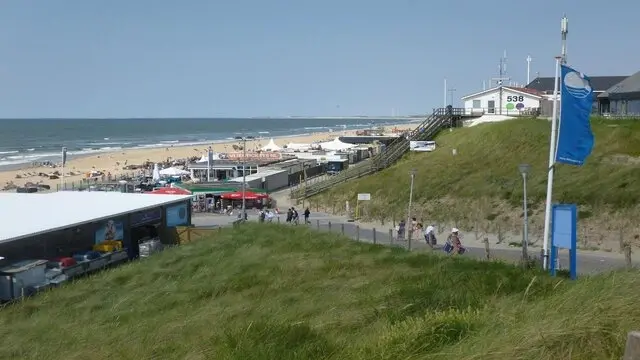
(564, 224)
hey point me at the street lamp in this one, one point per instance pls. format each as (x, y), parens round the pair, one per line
(409, 224)
(524, 170)
(244, 172)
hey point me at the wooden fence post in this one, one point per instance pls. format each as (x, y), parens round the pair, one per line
(632, 349)
(329, 225)
(318, 224)
(374, 236)
(391, 236)
(487, 252)
(627, 255)
(357, 232)
(342, 228)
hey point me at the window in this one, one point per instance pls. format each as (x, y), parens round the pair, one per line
(477, 104)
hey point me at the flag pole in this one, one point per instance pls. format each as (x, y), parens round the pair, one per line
(552, 154)
(64, 160)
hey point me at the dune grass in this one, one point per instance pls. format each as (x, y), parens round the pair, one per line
(486, 166)
(276, 292)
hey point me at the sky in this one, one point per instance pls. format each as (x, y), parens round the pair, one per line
(242, 58)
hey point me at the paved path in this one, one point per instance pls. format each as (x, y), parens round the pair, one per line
(589, 262)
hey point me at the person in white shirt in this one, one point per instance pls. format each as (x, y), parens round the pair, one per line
(430, 236)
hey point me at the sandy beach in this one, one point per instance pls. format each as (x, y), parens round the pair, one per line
(113, 162)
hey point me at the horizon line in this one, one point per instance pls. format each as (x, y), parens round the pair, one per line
(220, 118)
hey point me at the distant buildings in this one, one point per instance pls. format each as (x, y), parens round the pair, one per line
(613, 95)
(621, 99)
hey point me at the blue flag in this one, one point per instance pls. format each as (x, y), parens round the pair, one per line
(575, 138)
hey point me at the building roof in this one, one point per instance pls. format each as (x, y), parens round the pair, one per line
(259, 175)
(598, 83)
(23, 215)
(628, 86)
(519, 90)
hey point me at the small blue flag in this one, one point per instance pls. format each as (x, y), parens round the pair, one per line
(575, 138)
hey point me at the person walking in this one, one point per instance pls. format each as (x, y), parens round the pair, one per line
(307, 213)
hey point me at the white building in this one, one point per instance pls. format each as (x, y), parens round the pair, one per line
(514, 101)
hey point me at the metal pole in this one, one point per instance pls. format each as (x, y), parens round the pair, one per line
(528, 69)
(409, 223)
(445, 93)
(525, 235)
(552, 160)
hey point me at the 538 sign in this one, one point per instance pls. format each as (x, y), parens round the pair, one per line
(515, 98)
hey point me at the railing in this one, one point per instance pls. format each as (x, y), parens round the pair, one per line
(472, 112)
(426, 130)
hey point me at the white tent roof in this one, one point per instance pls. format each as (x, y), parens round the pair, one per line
(271, 146)
(335, 145)
(203, 159)
(156, 173)
(173, 172)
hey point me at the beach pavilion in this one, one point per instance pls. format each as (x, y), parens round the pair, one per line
(61, 224)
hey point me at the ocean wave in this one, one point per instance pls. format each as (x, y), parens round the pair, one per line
(9, 152)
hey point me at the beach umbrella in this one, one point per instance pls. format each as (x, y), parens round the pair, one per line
(248, 195)
(156, 173)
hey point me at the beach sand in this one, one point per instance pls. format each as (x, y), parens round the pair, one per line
(114, 162)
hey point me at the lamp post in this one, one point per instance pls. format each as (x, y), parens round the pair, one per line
(409, 224)
(524, 170)
(244, 172)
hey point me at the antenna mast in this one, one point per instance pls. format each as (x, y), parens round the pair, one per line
(564, 29)
(502, 71)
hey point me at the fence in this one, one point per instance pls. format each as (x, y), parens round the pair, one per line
(617, 232)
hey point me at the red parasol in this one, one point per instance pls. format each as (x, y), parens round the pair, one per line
(170, 191)
(248, 195)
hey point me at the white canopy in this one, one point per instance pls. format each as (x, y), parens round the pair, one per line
(203, 159)
(296, 146)
(336, 145)
(156, 173)
(271, 146)
(173, 172)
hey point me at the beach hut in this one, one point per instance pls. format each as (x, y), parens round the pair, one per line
(336, 145)
(271, 146)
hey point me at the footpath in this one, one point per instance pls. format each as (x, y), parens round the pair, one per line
(589, 261)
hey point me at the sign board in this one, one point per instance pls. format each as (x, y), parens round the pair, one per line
(564, 224)
(422, 146)
(364, 197)
(250, 155)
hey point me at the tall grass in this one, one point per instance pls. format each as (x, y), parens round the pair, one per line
(486, 166)
(276, 292)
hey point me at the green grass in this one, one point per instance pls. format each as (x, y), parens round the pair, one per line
(275, 292)
(486, 166)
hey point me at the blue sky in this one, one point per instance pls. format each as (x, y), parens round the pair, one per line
(215, 58)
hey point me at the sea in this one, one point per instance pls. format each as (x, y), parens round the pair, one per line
(27, 141)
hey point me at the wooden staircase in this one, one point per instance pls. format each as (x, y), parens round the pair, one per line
(439, 119)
